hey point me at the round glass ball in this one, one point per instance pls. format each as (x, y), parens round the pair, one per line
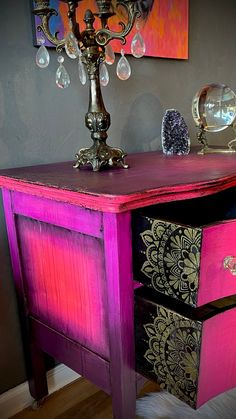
(214, 107)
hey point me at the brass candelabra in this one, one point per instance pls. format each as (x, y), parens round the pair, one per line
(91, 46)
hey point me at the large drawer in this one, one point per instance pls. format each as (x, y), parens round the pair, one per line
(186, 256)
(189, 352)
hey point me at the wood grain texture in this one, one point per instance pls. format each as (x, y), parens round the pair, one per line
(117, 241)
(64, 281)
(71, 353)
(59, 214)
(219, 241)
(192, 357)
(13, 244)
(79, 400)
(152, 178)
(218, 351)
(79, 285)
(190, 262)
(34, 356)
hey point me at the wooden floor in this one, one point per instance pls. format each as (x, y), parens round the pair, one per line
(79, 400)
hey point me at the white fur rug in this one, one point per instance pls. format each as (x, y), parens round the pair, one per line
(165, 406)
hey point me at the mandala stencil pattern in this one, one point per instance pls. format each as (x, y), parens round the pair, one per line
(172, 259)
(174, 352)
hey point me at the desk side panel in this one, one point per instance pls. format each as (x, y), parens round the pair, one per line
(64, 281)
(58, 262)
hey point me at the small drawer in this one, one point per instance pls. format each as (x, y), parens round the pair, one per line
(192, 354)
(188, 257)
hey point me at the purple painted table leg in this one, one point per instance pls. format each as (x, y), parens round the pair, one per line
(37, 375)
(36, 369)
(118, 260)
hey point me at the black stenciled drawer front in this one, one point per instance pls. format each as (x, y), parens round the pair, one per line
(174, 243)
(173, 343)
(167, 257)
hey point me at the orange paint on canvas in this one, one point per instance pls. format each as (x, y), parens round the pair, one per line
(165, 30)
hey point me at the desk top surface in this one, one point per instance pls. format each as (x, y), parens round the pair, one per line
(151, 178)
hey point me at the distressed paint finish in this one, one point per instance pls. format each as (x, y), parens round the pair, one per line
(71, 353)
(36, 369)
(167, 257)
(70, 240)
(218, 352)
(64, 281)
(219, 241)
(118, 257)
(190, 265)
(152, 178)
(57, 213)
(190, 352)
(13, 244)
(64, 268)
(168, 347)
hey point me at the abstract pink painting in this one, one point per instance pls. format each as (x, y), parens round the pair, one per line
(163, 25)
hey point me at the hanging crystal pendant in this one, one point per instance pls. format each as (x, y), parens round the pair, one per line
(42, 56)
(71, 46)
(123, 69)
(138, 46)
(110, 55)
(82, 71)
(104, 75)
(62, 77)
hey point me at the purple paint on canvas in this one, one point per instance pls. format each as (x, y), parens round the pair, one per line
(55, 25)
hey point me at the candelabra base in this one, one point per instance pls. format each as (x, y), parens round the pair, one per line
(100, 155)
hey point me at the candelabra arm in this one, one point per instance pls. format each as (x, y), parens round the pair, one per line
(72, 6)
(104, 35)
(92, 55)
(45, 14)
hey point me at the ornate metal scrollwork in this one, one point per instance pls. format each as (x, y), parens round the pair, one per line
(103, 36)
(92, 45)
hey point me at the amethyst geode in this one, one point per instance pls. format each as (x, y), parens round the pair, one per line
(174, 133)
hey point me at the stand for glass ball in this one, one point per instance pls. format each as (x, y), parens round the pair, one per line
(201, 136)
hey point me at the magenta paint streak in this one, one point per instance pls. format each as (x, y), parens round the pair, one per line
(60, 214)
(12, 238)
(72, 354)
(77, 265)
(118, 259)
(218, 241)
(152, 178)
(218, 354)
(65, 281)
(36, 371)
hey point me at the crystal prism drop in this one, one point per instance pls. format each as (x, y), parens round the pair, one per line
(71, 46)
(104, 75)
(110, 55)
(42, 57)
(41, 40)
(62, 77)
(60, 59)
(82, 72)
(123, 69)
(138, 46)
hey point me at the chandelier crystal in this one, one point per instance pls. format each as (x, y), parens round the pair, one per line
(93, 50)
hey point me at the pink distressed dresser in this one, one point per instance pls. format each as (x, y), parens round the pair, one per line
(79, 239)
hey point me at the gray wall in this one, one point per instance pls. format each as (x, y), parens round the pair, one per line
(40, 123)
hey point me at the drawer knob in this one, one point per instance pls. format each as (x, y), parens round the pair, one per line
(230, 263)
